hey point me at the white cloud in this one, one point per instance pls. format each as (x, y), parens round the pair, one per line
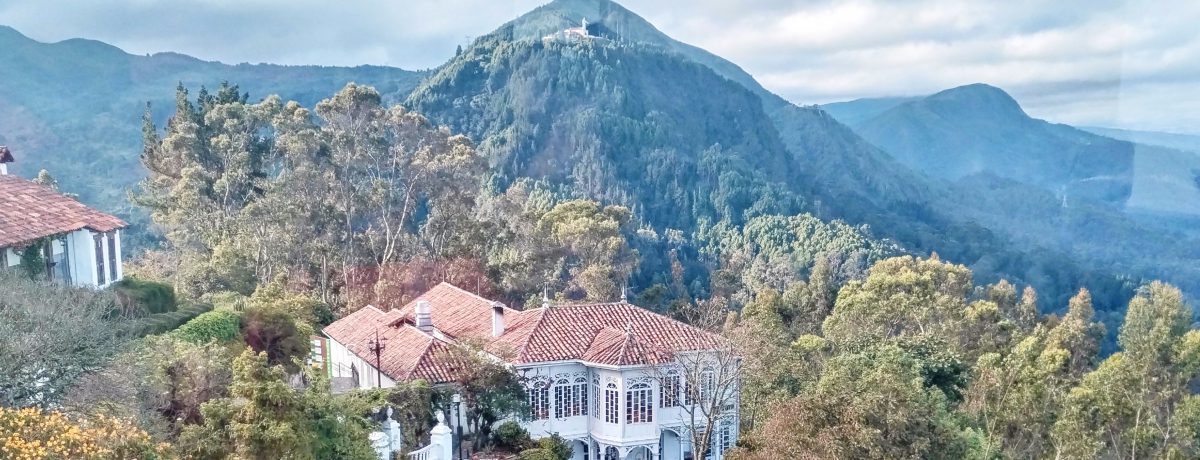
(1112, 62)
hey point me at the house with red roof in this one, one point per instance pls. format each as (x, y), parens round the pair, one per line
(605, 376)
(69, 241)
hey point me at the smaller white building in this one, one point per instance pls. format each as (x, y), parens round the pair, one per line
(75, 244)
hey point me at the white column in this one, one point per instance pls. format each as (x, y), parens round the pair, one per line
(442, 438)
(379, 442)
(120, 269)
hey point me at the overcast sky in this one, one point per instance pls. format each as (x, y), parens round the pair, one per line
(1095, 62)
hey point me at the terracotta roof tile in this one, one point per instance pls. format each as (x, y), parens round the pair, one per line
(408, 352)
(29, 211)
(604, 333)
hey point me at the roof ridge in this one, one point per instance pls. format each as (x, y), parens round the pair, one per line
(533, 334)
(472, 294)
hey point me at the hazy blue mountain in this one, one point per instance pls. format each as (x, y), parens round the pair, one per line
(980, 128)
(73, 107)
(860, 110)
(1185, 142)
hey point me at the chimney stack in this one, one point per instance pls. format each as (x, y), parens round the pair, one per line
(5, 158)
(423, 318)
(497, 319)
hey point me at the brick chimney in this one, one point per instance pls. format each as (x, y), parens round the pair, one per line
(424, 318)
(5, 158)
(497, 319)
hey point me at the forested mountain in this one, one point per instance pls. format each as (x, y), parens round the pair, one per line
(979, 128)
(73, 107)
(684, 138)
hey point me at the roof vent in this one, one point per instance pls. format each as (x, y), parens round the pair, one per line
(497, 319)
(424, 318)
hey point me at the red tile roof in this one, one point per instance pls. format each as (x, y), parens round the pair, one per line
(408, 352)
(29, 211)
(618, 334)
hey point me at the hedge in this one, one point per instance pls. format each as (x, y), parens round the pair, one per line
(147, 297)
(166, 322)
(217, 325)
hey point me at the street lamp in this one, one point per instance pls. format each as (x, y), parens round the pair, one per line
(377, 346)
(458, 429)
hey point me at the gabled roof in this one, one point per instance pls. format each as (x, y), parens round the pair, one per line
(567, 332)
(29, 211)
(408, 352)
(617, 334)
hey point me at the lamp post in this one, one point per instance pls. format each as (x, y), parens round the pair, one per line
(458, 430)
(377, 346)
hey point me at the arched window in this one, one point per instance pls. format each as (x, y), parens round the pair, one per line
(538, 391)
(708, 382)
(596, 396)
(612, 454)
(639, 404)
(570, 398)
(612, 404)
(669, 389)
(725, 441)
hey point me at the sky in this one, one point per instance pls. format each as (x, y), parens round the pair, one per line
(1115, 63)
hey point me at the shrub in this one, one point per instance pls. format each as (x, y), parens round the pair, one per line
(216, 325)
(146, 297)
(538, 454)
(32, 433)
(166, 322)
(555, 446)
(511, 436)
(274, 331)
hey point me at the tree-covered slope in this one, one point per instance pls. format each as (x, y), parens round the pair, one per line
(74, 107)
(622, 122)
(613, 21)
(979, 128)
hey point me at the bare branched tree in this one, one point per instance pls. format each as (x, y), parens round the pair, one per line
(52, 334)
(705, 382)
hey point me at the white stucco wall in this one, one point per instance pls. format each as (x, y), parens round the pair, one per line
(81, 257)
(341, 360)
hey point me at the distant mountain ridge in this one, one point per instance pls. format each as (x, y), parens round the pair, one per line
(73, 107)
(980, 128)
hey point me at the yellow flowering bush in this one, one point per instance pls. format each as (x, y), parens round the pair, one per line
(34, 434)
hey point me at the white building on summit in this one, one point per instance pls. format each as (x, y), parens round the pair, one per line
(572, 33)
(617, 381)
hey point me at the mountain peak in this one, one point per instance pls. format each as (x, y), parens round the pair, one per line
(978, 98)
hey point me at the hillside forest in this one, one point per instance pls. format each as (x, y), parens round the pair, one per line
(852, 349)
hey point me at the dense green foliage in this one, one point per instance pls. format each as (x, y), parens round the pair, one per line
(165, 322)
(915, 361)
(214, 326)
(145, 297)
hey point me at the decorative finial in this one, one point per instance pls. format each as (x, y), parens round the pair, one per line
(624, 296)
(440, 418)
(545, 297)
